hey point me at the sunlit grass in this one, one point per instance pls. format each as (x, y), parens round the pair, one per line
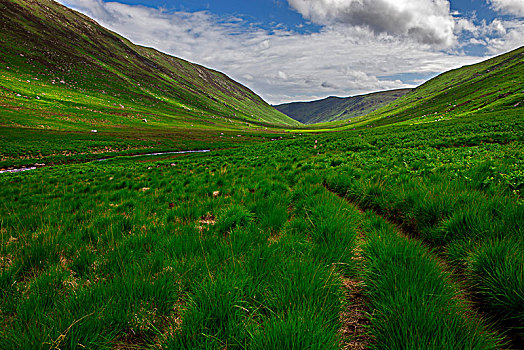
(246, 248)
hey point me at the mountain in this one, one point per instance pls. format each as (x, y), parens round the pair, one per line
(492, 87)
(337, 108)
(61, 70)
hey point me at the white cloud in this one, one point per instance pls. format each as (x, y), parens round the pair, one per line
(282, 75)
(474, 41)
(497, 37)
(466, 25)
(496, 28)
(283, 65)
(511, 7)
(426, 21)
(503, 36)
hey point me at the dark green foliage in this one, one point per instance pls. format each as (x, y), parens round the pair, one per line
(299, 330)
(415, 303)
(496, 273)
(232, 217)
(197, 255)
(216, 315)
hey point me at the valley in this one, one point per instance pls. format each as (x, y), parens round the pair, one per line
(337, 108)
(170, 207)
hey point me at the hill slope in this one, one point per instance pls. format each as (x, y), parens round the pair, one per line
(61, 70)
(492, 87)
(337, 108)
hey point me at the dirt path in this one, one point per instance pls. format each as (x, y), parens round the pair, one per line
(354, 316)
(473, 308)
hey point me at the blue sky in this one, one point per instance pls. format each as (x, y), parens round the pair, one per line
(267, 11)
(289, 50)
(259, 11)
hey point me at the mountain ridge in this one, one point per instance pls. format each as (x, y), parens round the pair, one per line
(492, 86)
(67, 49)
(334, 108)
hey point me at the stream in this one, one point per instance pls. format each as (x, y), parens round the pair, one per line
(105, 159)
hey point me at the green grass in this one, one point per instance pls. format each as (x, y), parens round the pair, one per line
(248, 246)
(495, 272)
(465, 202)
(245, 248)
(119, 265)
(415, 303)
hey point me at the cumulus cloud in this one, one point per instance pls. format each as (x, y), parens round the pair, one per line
(466, 25)
(511, 7)
(495, 37)
(495, 28)
(426, 21)
(503, 35)
(282, 65)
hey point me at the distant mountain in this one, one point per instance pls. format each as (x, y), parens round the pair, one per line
(338, 108)
(492, 87)
(61, 70)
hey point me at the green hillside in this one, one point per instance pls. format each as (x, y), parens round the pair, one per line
(495, 86)
(60, 70)
(338, 108)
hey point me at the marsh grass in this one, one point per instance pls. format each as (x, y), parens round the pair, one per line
(125, 253)
(415, 303)
(496, 273)
(460, 219)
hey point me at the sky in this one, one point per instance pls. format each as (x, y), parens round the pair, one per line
(301, 50)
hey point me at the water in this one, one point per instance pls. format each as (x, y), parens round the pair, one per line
(158, 154)
(104, 159)
(17, 170)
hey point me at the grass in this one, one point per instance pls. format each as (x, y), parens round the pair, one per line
(246, 248)
(495, 274)
(121, 265)
(457, 200)
(249, 245)
(415, 303)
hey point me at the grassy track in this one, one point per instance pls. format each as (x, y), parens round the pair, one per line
(143, 256)
(416, 306)
(464, 202)
(414, 302)
(245, 248)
